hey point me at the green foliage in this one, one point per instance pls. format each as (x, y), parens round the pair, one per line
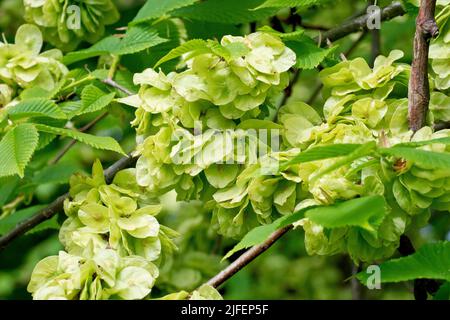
(57, 173)
(136, 39)
(443, 292)
(323, 152)
(366, 213)
(292, 3)
(309, 54)
(154, 9)
(196, 45)
(16, 149)
(36, 108)
(104, 143)
(431, 261)
(93, 99)
(231, 11)
(426, 159)
(12, 220)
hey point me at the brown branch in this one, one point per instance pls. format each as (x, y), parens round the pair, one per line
(360, 23)
(376, 41)
(246, 258)
(57, 205)
(375, 46)
(114, 84)
(290, 88)
(305, 25)
(419, 87)
(356, 287)
(418, 101)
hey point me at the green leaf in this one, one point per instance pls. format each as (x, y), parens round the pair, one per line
(292, 3)
(57, 173)
(309, 54)
(443, 293)
(428, 159)
(415, 144)
(167, 29)
(229, 11)
(50, 224)
(8, 186)
(366, 213)
(137, 38)
(431, 261)
(44, 140)
(411, 8)
(94, 99)
(17, 148)
(362, 151)
(104, 46)
(71, 108)
(154, 9)
(196, 45)
(35, 93)
(103, 143)
(289, 36)
(209, 30)
(6, 224)
(322, 152)
(36, 108)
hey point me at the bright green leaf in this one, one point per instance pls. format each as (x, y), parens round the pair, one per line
(103, 143)
(154, 9)
(12, 220)
(366, 213)
(292, 3)
(431, 261)
(17, 148)
(36, 108)
(230, 11)
(137, 38)
(309, 54)
(57, 173)
(428, 159)
(94, 99)
(322, 152)
(195, 45)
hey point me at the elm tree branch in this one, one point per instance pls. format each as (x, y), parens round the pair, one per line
(419, 87)
(114, 84)
(246, 258)
(360, 23)
(418, 102)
